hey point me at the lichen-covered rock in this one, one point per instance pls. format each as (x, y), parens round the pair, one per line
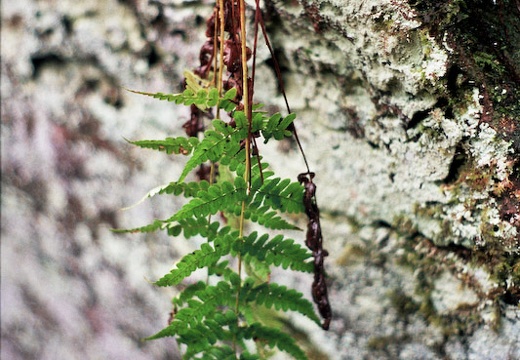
(417, 179)
(377, 73)
(403, 140)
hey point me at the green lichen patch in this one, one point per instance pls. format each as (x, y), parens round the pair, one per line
(404, 304)
(456, 288)
(429, 263)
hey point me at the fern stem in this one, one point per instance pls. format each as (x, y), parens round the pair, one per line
(211, 181)
(247, 172)
(215, 79)
(280, 82)
(222, 19)
(243, 46)
(245, 87)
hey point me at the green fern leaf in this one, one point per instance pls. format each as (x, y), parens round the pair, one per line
(188, 293)
(278, 194)
(217, 197)
(278, 296)
(277, 251)
(177, 98)
(247, 356)
(203, 98)
(258, 121)
(194, 226)
(174, 226)
(178, 145)
(276, 127)
(263, 216)
(220, 353)
(269, 219)
(224, 140)
(227, 102)
(204, 257)
(174, 329)
(222, 270)
(207, 332)
(211, 330)
(190, 226)
(273, 337)
(189, 189)
(156, 225)
(203, 302)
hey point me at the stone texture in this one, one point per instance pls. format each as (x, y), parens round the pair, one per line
(71, 288)
(380, 78)
(364, 77)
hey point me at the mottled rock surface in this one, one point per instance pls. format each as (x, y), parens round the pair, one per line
(416, 181)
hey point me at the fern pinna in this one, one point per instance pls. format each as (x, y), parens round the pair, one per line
(230, 316)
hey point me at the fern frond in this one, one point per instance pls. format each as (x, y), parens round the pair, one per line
(222, 270)
(179, 145)
(273, 337)
(227, 102)
(203, 302)
(278, 194)
(174, 329)
(203, 336)
(189, 189)
(217, 197)
(156, 225)
(190, 226)
(269, 219)
(187, 293)
(202, 98)
(263, 216)
(223, 352)
(192, 334)
(223, 141)
(204, 257)
(247, 356)
(280, 297)
(277, 251)
(276, 127)
(194, 226)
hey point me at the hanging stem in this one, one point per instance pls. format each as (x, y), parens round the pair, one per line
(245, 87)
(216, 79)
(280, 82)
(219, 36)
(247, 112)
(245, 99)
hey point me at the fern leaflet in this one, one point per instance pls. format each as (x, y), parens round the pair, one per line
(206, 256)
(273, 337)
(222, 142)
(277, 251)
(215, 198)
(278, 194)
(179, 145)
(276, 127)
(279, 297)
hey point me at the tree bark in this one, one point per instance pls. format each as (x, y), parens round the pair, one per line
(408, 112)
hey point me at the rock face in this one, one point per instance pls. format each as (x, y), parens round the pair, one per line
(410, 132)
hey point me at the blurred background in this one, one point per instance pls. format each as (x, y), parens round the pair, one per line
(71, 289)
